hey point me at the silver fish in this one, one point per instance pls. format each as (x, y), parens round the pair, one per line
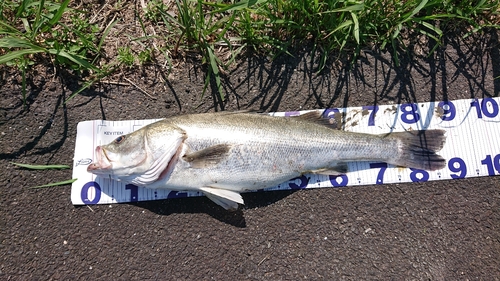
(224, 154)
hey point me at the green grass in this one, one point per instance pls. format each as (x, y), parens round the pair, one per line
(348, 26)
(46, 167)
(32, 31)
(40, 167)
(28, 28)
(125, 56)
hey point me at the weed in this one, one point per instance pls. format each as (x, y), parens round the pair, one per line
(125, 56)
(31, 27)
(154, 10)
(200, 27)
(144, 56)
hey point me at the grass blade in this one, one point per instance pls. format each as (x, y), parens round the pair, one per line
(74, 58)
(40, 167)
(415, 11)
(397, 31)
(215, 69)
(15, 42)
(244, 4)
(17, 54)
(56, 183)
(105, 34)
(38, 20)
(357, 7)
(356, 27)
(434, 28)
(342, 26)
(57, 16)
(7, 29)
(21, 8)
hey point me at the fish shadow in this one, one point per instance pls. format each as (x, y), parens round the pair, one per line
(194, 205)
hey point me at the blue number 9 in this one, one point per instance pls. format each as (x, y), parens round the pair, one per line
(449, 110)
(460, 168)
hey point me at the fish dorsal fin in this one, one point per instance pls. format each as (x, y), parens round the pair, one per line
(246, 111)
(207, 157)
(311, 116)
(318, 118)
(227, 199)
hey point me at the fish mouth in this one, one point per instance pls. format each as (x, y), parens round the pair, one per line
(101, 163)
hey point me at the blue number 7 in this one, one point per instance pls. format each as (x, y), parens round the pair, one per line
(371, 118)
(380, 176)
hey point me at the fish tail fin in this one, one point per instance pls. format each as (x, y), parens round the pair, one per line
(418, 149)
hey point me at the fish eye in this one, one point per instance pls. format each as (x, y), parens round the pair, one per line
(119, 139)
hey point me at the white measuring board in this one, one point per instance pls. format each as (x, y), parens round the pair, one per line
(472, 148)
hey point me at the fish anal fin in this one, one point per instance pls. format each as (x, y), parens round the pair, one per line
(227, 199)
(207, 157)
(338, 169)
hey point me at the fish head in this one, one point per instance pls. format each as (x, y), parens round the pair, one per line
(124, 156)
(140, 157)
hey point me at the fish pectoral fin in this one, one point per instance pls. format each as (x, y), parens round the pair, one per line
(227, 199)
(207, 157)
(338, 169)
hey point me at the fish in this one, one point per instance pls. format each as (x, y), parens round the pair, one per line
(227, 153)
